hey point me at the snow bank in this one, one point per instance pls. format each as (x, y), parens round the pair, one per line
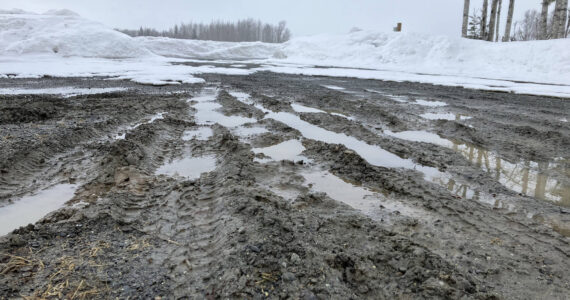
(62, 33)
(540, 61)
(209, 49)
(35, 44)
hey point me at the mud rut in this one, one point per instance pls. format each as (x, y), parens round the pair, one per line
(236, 232)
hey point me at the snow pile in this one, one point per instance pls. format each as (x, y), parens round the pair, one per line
(209, 49)
(32, 45)
(62, 33)
(543, 61)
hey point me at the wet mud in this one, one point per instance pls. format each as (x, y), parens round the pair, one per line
(284, 187)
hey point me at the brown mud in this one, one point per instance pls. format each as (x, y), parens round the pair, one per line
(494, 225)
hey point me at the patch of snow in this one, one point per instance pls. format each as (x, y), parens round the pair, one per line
(64, 91)
(444, 116)
(334, 87)
(430, 103)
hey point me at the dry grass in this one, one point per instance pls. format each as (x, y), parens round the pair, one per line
(16, 263)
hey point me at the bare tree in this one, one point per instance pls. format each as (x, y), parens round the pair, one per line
(484, 19)
(498, 20)
(507, 36)
(544, 19)
(567, 26)
(559, 22)
(529, 28)
(465, 18)
(493, 20)
(247, 30)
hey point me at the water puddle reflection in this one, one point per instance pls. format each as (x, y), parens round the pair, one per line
(529, 178)
(201, 134)
(305, 109)
(32, 208)
(207, 111)
(189, 167)
(373, 204)
(288, 150)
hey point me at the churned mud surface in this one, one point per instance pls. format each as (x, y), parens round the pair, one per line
(281, 186)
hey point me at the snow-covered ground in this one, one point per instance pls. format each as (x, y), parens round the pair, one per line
(61, 43)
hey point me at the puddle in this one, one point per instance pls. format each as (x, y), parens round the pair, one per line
(32, 208)
(371, 203)
(207, 113)
(243, 131)
(201, 134)
(420, 136)
(400, 99)
(430, 103)
(158, 116)
(526, 177)
(241, 96)
(189, 167)
(64, 91)
(333, 87)
(444, 116)
(288, 150)
(373, 154)
(305, 109)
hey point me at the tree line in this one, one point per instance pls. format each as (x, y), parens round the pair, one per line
(247, 30)
(534, 26)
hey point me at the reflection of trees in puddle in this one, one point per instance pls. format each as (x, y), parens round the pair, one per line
(527, 177)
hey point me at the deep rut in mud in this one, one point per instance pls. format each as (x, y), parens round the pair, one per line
(280, 186)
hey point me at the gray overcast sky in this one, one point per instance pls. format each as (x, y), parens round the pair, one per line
(305, 17)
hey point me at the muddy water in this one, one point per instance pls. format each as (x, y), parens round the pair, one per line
(371, 153)
(305, 109)
(32, 208)
(529, 178)
(207, 113)
(444, 116)
(201, 134)
(288, 150)
(525, 177)
(189, 167)
(158, 116)
(374, 204)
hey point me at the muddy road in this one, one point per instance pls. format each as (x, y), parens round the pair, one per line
(281, 186)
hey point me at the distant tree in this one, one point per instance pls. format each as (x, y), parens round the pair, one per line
(507, 36)
(247, 30)
(529, 28)
(474, 30)
(466, 4)
(493, 21)
(484, 19)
